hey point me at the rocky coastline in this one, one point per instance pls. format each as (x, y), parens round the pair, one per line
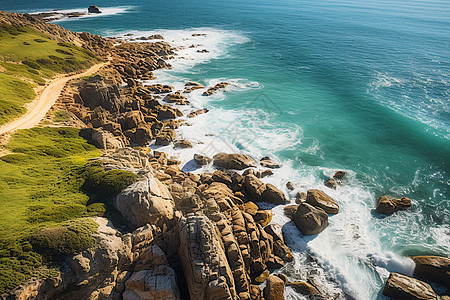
(188, 235)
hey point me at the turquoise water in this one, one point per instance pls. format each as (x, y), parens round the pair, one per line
(323, 85)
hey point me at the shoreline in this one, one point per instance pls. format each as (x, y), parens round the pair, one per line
(173, 123)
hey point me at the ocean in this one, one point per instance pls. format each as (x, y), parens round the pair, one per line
(321, 86)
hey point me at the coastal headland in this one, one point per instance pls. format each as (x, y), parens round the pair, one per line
(89, 211)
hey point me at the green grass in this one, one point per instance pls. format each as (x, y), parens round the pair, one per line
(47, 189)
(29, 57)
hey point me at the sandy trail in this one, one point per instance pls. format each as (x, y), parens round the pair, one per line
(43, 102)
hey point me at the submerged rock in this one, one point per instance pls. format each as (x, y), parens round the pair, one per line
(402, 287)
(269, 163)
(388, 205)
(310, 220)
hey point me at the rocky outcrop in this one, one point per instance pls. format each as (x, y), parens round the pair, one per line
(101, 139)
(320, 199)
(388, 205)
(146, 201)
(401, 287)
(214, 89)
(310, 220)
(433, 268)
(93, 9)
(258, 191)
(304, 288)
(233, 161)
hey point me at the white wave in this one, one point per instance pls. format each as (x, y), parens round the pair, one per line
(105, 11)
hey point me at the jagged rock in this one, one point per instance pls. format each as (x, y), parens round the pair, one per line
(204, 261)
(191, 85)
(146, 201)
(223, 177)
(269, 163)
(290, 186)
(331, 183)
(249, 207)
(433, 268)
(304, 288)
(274, 289)
(233, 161)
(165, 137)
(339, 175)
(310, 220)
(215, 88)
(402, 287)
(195, 113)
(97, 93)
(160, 89)
(182, 144)
(202, 160)
(166, 112)
(93, 9)
(322, 200)
(262, 277)
(388, 205)
(102, 139)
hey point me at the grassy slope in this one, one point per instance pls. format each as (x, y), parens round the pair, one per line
(39, 187)
(27, 58)
(46, 192)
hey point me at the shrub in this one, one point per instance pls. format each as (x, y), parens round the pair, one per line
(31, 64)
(70, 238)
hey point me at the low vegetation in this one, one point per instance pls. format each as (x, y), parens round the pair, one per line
(29, 57)
(47, 191)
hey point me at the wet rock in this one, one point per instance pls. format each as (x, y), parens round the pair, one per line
(403, 287)
(322, 200)
(433, 268)
(331, 183)
(339, 175)
(214, 89)
(274, 289)
(254, 187)
(304, 288)
(197, 112)
(267, 162)
(290, 186)
(202, 160)
(182, 144)
(160, 89)
(388, 205)
(93, 9)
(310, 220)
(233, 161)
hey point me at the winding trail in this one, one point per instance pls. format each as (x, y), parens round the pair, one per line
(44, 101)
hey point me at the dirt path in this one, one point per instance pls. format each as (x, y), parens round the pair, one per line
(43, 102)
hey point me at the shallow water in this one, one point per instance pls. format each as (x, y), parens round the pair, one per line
(322, 86)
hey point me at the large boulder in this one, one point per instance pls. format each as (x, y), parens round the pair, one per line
(269, 163)
(254, 187)
(93, 9)
(233, 161)
(101, 139)
(388, 205)
(433, 268)
(274, 289)
(322, 200)
(146, 201)
(310, 220)
(402, 287)
(97, 93)
(273, 195)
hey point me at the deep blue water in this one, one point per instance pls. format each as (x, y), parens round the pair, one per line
(349, 85)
